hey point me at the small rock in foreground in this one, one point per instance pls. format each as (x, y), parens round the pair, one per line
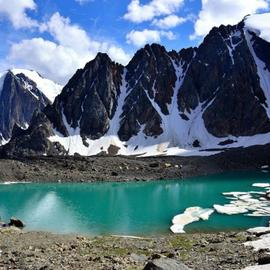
(165, 264)
(16, 223)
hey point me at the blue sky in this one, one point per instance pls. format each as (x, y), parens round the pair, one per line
(55, 37)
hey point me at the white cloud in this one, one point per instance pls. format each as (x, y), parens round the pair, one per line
(138, 13)
(51, 60)
(82, 2)
(140, 38)
(59, 59)
(67, 34)
(15, 11)
(168, 22)
(215, 13)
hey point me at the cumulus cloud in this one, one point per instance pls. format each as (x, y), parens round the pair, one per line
(16, 10)
(168, 22)
(51, 60)
(138, 12)
(140, 38)
(60, 58)
(67, 34)
(215, 13)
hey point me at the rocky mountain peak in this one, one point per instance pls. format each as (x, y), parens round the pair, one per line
(89, 100)
(19, 98)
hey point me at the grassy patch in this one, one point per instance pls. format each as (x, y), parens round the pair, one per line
(181, 242)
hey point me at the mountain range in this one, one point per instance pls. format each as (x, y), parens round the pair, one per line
(211, 97)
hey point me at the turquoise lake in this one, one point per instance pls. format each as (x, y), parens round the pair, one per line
(137, 208)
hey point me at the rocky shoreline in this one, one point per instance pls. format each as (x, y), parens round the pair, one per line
(120, 168)
(39, 250)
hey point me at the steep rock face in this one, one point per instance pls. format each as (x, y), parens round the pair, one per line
(223, 78)
(153, 85)
(151, 79)
(19, 98)
(89, 100)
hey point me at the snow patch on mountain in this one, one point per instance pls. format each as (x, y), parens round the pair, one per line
(49, 88)
(2, 79)
(259, 24)
(115, 122)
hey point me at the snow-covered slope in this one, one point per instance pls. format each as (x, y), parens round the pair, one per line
(49, 88)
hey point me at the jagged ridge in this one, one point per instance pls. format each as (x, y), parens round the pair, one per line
(162, 102)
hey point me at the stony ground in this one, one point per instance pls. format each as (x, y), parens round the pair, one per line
(105, 168)
(34, 250)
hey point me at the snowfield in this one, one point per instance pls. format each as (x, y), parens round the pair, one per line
(49, 88)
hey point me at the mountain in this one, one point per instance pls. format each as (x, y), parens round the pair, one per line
(212, 97)
(21, 93)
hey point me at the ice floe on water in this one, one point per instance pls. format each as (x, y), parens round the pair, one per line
(230, 209)
(251, 203)
(262, 185)
(190, 215)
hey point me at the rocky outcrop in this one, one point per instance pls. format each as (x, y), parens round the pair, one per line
(16, 223)
(223, 78)
(19, 98)
(89, 100)
(33, 141)
(151, 78)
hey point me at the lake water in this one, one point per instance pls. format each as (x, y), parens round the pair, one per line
(137, 208)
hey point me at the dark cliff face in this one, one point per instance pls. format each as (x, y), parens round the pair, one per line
(19, 98)
(218, 82)
(223, 78)
(150, 77)
(89, 100)
(152, 81)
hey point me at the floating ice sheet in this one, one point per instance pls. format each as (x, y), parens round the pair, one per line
(252, 203)
(190, 215)
(262, 185)
(230, 209)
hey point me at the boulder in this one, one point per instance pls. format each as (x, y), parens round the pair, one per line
(16, 223)
(113, 150)
(165, 264)
(264, 260)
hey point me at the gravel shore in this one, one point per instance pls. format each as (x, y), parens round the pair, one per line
(38, 250)
(119, 168)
